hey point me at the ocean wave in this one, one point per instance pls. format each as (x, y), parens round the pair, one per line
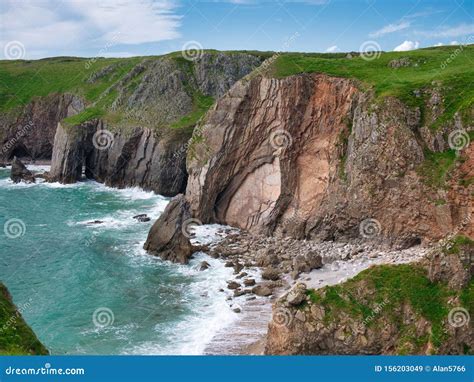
(210, 311)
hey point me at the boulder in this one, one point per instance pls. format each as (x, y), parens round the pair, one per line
(166, 238)
(204, 265)
(233, 285)
(296, 295)
(262, 290)
(249, 282)
(270, 274)
(19, 172)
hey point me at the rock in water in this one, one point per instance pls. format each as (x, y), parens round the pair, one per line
(204, 265)
(20, 173)
(142, 218)
(166, 238)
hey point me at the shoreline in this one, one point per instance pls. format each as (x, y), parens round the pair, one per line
(247, 335)
(243, 251)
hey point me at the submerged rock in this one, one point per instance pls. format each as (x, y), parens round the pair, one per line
(95, 222)
(142, 218)
(19, 172)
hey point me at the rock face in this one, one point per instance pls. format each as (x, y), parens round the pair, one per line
(165, 238)
(32, 133)
(19, 172)
(310, 156)
(135, 159)
(144, 148)
(377, 312)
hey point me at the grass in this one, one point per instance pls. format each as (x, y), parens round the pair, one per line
(84, 116)
(16, 337)
(455, 76)
(21, 81)
(455, 245)
(436, 167)
(392, 287)
(202, 103)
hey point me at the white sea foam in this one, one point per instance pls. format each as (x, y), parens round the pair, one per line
(211, 233)
(211, 312)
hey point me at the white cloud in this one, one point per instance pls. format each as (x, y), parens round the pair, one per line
(57, 26)
(332, 49)
(447, 32)
(438, 44)
(454, 42)
(390, 28)
(406, 45)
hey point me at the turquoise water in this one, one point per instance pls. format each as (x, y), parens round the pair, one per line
(91, 289)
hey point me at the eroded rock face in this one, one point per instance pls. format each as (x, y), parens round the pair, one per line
(166, 238)
(71, 147)
(264, 146)
(144, 152)
(310, 156)
(32, 133)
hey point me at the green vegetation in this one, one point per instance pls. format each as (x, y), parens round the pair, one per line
(86, 115)
(392, 287)
(21, 81)
(202, 103)
(436, 166)
(455, 245)
(448, 68)
(16, 337)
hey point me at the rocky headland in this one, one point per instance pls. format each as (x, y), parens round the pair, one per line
(348, 195)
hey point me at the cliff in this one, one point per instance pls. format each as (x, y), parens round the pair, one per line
(313, 156)
(423, 308)
(16, 337)
(145, 109)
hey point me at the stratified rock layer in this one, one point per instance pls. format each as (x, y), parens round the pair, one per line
(311, 156)
(147, 148)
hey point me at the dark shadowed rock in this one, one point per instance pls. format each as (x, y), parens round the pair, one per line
(142, 218)
(94, 222)
(20, 173)
(204, 265)
(166, 238)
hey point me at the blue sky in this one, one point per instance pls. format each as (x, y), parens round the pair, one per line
(45, 28)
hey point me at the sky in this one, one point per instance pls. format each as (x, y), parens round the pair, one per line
(33, 29)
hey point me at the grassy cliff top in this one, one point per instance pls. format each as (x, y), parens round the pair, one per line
(16, 337)
(449, 69)
(406, 75)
